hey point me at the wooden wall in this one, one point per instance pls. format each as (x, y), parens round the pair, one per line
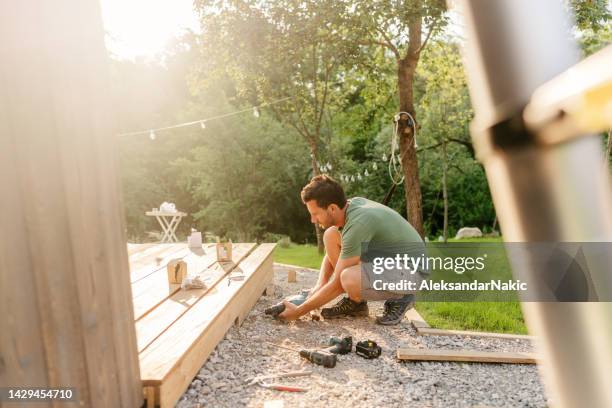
(66, 314)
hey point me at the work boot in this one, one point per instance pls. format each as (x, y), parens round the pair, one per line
(395, 309)
(346, 307)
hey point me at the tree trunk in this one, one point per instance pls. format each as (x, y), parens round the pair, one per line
(316, 172)
(444, 190)
(410, 165)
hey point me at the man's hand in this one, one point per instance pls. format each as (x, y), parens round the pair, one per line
(290, 312)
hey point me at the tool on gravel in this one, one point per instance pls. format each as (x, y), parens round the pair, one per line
(340, 346)
(368, 349)
(279, 308)
(318, 357)
(280, 387)
(255, 380)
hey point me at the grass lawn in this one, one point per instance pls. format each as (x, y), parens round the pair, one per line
(501, 317)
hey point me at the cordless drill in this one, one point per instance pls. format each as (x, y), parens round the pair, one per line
(279, 308)
(340, 346)
(319, 357)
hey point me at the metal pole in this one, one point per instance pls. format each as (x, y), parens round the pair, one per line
(555, 193)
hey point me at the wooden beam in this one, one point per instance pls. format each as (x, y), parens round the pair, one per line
(425, 331)
(416, 319)
(174, 358)
(465, 356)
(133, 249)
(149, 327)
(154, 288)
(67, 315)
(156, 261)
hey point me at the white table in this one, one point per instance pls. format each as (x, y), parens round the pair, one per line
(168, 221)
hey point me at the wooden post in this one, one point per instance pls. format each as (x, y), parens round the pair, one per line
(66, 317)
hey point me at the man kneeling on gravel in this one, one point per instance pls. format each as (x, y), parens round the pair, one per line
(348, 224)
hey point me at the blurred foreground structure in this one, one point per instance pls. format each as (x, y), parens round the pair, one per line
(65, 300)
(546, 175)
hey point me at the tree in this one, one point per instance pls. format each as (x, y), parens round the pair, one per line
(279, 49)
(403, 29)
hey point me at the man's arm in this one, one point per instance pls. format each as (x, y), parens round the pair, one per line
(326, 271)
(331, 290)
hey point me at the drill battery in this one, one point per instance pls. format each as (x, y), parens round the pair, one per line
(368, 349)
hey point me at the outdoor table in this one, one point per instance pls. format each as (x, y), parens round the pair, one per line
(168, 221)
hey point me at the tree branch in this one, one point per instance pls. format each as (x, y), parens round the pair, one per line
(431, 30)
(389, 43)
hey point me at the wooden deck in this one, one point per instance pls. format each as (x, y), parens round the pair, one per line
(177, 330)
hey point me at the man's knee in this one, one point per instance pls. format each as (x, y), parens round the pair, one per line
(350, 279)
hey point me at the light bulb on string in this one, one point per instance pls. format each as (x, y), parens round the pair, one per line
(256, 112)
(359, 177)
(329, 166)
(152, 135)
(374, 166)
(203, 125)
(352, 178)
(384, 157)
(366, 173)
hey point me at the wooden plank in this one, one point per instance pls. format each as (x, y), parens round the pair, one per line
(234, 312)
(148, 256)
(140, 270)
(416, 319)
(68, 270)
(425, 331)
(174, 358)
(133, 249)
(149, 327)
(465, 356)
(154, 288)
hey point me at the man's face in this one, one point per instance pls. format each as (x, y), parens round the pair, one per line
(318, 215)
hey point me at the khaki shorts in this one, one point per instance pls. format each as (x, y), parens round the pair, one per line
(369, 293)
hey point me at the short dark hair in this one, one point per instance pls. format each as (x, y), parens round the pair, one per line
(325, 191)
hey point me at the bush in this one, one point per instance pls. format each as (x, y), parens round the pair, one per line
(283, 241)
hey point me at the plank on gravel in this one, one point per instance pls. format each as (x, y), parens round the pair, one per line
(465, 356)
(175, 357)
(416, 319)
(149, 327)
(426, 331)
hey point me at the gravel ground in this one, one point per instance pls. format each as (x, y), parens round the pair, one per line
(384, 382)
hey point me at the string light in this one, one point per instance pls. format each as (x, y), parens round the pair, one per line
(352, 178)
(329, 166)
(366, 173)
(152, 135)
(254, 109)
(384, 157)
(374, 166)
(203, 125)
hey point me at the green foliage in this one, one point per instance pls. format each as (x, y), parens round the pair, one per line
(241, 177)
(591, 14)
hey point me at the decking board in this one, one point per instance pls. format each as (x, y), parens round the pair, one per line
(177, 330)
(154, 288)
(149, 327)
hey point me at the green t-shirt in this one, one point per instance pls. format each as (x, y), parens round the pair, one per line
(374, 223)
